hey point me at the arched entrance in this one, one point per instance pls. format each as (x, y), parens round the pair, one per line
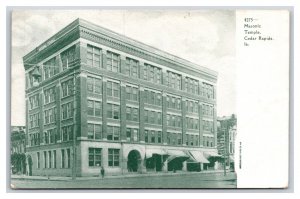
(134, 161)
(29, 164)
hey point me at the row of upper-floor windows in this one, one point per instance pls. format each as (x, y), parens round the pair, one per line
(95, 132)
(132, 68)
(94, 108)
(94, 85)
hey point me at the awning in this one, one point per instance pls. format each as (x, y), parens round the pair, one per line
(177, 154)
(150, 152)
(198, 156)
(211, 154)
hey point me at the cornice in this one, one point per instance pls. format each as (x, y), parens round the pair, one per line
(81, 28)
(155, 56)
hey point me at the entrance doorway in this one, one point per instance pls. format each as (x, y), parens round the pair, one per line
(134, 161)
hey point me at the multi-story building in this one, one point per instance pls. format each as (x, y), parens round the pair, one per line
(96, 98)
(18, 150)
(226, 127)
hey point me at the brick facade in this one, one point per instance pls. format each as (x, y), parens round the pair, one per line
(85, 36)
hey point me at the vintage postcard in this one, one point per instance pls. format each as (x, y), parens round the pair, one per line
(149, 99)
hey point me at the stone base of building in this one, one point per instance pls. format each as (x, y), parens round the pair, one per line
(115, 158)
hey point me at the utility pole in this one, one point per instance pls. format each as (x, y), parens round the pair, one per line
(224, 152)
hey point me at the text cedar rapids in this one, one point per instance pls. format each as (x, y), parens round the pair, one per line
(251, 34)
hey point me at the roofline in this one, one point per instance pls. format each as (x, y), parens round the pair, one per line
(122, 38)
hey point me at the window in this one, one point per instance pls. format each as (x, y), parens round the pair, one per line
(113, 133)
(152, 97)
(34, 139)
(135, 114)
(159, 120)
(67, 88)
(50, 115)
(93, 56)
(49, 136)
(113, 61)
(146, 136)
(94, 85)
(152, 73)
(38, 160)
(94, 108)
(67, 133)
(54, 159)
(174, 120)
(131, 67)
(50, 68)
(62, 158)
(174, 80)
(113, 157)
(113, 111)
(168, 137)
(132, 114)
(131, 93)
(146, 116)
(173, 102)
(159, 136)
(67, 57)
(207, 110)
(208, 90)
(192, 123)
(158, 99)
(179, 139)
(135, 135)
(152, 137)
(50, 159)
(132, 134)
(67, 110)
(208, 126)
(113, 89)
(128, 134)
(191, 85)
(34, 120)
(151, 117)
(45, 159)
(95, 157)
(94, 131)
(34, 101)
(68, 158)
(49, 95)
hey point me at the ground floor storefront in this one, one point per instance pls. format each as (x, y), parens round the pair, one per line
(87, 158)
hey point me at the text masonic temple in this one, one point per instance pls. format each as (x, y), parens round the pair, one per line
(95, 98)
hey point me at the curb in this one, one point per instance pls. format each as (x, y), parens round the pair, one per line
(55, 178)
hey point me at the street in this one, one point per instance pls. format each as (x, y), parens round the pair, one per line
(195, 180)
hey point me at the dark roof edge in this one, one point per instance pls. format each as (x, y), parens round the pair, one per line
(55, 36)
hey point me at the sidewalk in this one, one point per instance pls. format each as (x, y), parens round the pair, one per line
(127, 175)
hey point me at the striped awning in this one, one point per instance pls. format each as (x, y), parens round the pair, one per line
(198, 156)
(211, 154)
(177, 154)
(151, 152)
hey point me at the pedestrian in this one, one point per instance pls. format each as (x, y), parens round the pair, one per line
(102, 172)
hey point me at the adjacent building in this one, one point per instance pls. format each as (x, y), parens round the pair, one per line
(226, 135)
(97, 98)
(18, 150)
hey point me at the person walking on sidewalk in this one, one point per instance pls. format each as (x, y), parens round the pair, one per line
(102, 172)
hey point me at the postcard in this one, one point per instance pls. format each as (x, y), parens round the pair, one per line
(149, 99)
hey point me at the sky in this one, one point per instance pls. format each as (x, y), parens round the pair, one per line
(204, 37)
